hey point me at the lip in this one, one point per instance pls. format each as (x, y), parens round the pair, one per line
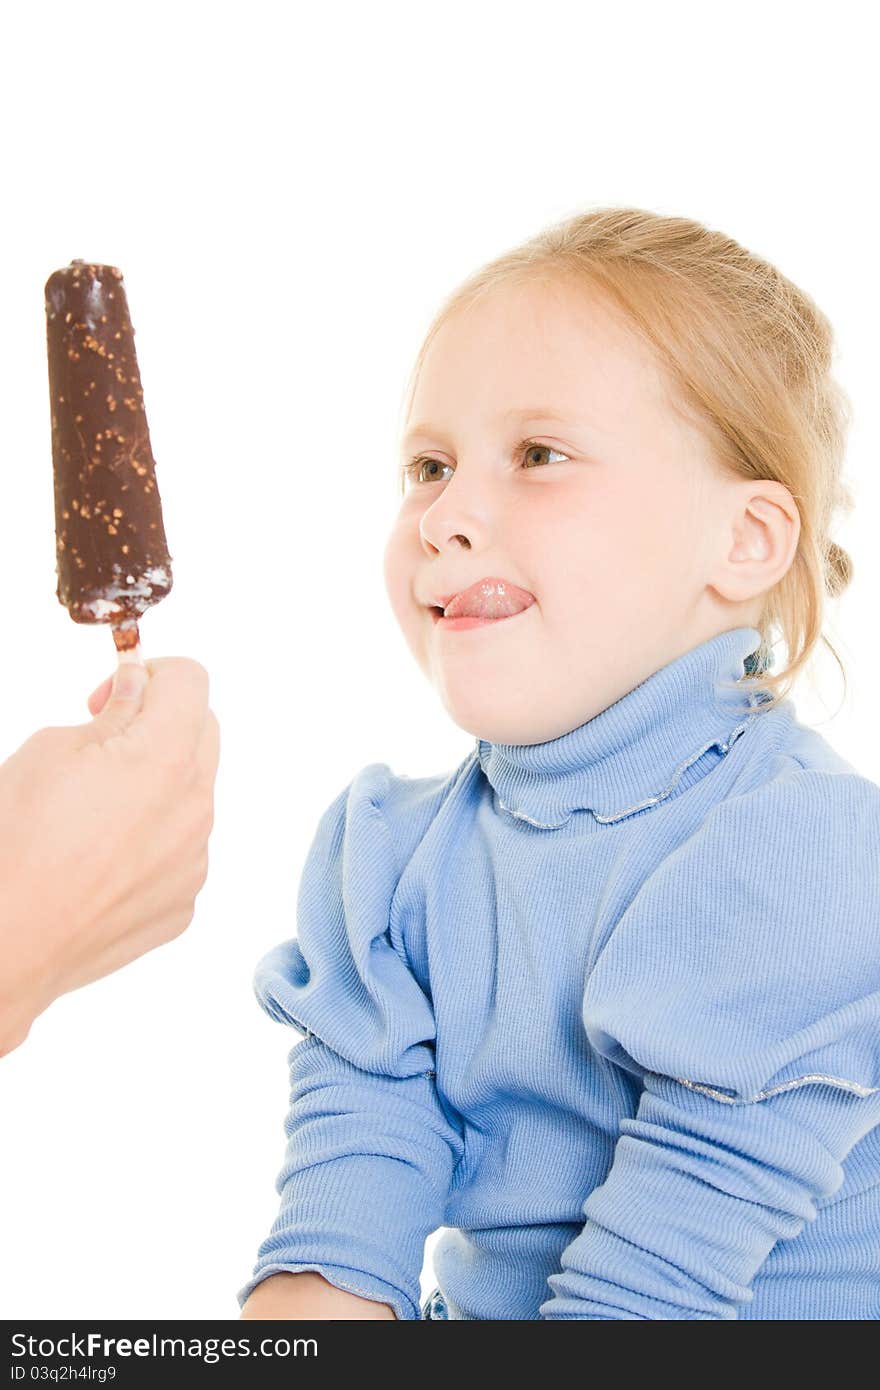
(491, 599)
(462, 624)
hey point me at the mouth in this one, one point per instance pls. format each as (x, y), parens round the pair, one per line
(490, 600)
(465, 622)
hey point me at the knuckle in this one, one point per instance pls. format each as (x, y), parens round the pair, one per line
(182, 921)
(209, 747)
(198, 674)
(201, 813)
(50, 739)
(199, 832)
(181, 671)
(201, 871)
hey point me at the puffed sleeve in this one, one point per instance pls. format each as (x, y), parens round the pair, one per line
(371, 1148)
(742, 988)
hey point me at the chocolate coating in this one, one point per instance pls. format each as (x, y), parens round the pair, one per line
(112, 554)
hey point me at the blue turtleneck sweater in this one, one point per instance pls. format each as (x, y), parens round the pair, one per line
(606, 1008)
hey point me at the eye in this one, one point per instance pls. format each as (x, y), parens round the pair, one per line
(528, 446)
(413, 470)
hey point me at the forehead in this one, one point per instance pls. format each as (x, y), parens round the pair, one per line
(559, 346)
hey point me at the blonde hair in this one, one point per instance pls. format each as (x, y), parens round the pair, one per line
(750, 354)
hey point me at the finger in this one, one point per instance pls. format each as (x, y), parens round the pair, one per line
(175, 706)
(98, 698)
(123, 704)
(208, 753)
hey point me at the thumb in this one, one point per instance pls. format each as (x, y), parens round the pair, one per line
(123, 703)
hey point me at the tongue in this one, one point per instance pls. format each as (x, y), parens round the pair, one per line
(490, 601)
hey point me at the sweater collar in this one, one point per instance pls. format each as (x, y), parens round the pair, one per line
(636, 751)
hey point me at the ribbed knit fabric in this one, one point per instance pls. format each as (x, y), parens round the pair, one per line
(607, 1008)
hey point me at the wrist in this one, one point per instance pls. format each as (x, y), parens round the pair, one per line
(18, 1008)
(13, 1033)
(307, 1295)
(23, 983)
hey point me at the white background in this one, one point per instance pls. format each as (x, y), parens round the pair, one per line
(290, 190)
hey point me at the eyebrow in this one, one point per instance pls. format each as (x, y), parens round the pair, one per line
(518, 414)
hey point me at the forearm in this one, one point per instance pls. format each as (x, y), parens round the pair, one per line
(306, 1295)
(367, 1169)
(698, 1195)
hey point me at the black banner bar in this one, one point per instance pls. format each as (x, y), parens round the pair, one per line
(138, 1353)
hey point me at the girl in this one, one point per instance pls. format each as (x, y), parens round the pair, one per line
(604, 1001)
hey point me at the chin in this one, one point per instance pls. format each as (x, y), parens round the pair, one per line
(481, 722)
(495, 723)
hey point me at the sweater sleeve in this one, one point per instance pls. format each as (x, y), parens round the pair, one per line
(371, 1148)
(742, 988)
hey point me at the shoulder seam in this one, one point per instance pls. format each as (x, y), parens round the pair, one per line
(454, 777)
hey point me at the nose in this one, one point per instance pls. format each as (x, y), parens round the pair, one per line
(457, 517)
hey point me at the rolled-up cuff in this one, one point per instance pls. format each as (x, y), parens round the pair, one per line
(361, 1220)
(351, 1280)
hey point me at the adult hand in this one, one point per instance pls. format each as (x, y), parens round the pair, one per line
(104, 831)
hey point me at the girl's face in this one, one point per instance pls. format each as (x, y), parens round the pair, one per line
(544, 451)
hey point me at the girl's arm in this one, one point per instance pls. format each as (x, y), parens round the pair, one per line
(308, 1295)
(371, 1146)
(741, 985)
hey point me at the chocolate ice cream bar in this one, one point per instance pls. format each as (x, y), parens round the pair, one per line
(112, 555)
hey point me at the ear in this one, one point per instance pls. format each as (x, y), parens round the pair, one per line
(761, 536)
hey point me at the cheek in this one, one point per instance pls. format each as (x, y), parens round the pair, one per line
(664, 529)
(652, 551)
(613, 544)
(584, 531)
(399, 564)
